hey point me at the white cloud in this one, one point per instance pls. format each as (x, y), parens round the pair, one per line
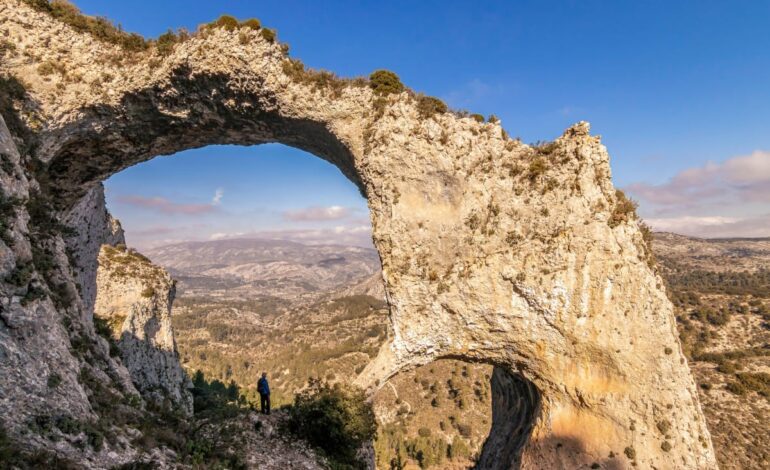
(217, 196)
(738, 179)
(715, 199)
(314, 214)
(165, 206)
(714, 226)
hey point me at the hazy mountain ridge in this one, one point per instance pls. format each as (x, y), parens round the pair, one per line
(251, 267)
(713, 254)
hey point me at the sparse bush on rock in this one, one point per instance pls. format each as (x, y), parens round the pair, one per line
(227, 22)
(268, 34)
(428, 106)
(385, 82)
(100, 28)
(334, 418)
(624, 210)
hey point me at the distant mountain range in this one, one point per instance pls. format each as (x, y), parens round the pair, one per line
(712, 254)
(258, 267)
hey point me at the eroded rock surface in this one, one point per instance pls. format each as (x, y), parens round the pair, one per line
(134, 298)
(492, 250)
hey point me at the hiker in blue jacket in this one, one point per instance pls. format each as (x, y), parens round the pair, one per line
(264, 393)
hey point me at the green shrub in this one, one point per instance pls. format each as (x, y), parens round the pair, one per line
(337, 419)
(95, 437)
(148, 292)
(268, 34)
(737, 388)
(458, 449)
(428, 106)
(755, 382)
(665, 446)
(98, 27)
(732, 355)
(21, 275)
(68, 425)
(166, 42)
(423, 432)
(727, 368)
(493, 119)
(54, 380)
(428, 452)
(227, 22)
(477, 117)
(713, 316)
(214, 398)
(385, 82)
(7, 46)
(624, 210)
(537, 168)
(252, 23)
(8, 207)
(12, 455)
(545, 148)
(34, 292)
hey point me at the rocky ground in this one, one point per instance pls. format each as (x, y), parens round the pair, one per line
(260, 439)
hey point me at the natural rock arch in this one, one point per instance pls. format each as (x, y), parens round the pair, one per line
(492, 250)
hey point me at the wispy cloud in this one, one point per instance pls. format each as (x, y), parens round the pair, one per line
(744, 178)
(713, 200)
(218, 194)
(165, 206)
(317, 214)
(154, 231)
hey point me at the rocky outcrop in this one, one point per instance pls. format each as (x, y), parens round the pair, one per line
(93, 227)
(134, 299)
(492, 250)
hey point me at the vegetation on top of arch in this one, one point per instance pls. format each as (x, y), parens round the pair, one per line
(383, 82)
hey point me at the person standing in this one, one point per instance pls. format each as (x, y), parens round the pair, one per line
(263, 388)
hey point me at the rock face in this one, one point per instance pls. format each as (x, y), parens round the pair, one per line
(134, 298)
(492, 250)
(95, 228)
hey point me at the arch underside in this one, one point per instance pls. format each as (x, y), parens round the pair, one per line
(162, 121)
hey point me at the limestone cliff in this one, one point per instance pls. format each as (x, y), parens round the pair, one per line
(492, 250)
(94, 227)
(134, 298)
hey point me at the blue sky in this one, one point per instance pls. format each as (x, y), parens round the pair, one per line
(678, 90)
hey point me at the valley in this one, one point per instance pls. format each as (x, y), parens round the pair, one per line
(246, 306)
